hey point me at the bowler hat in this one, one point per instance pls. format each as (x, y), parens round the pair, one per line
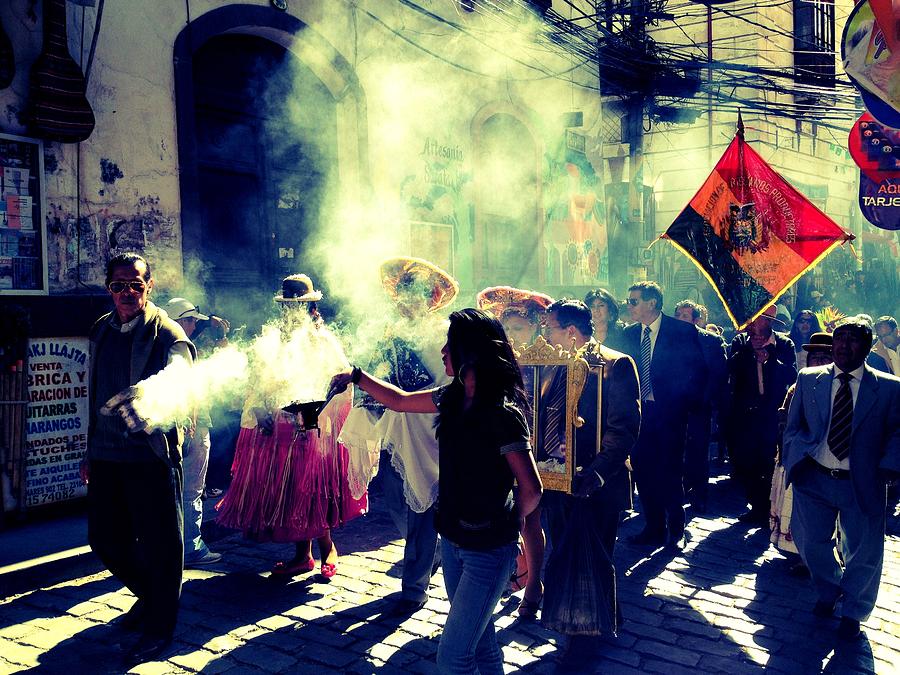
(298, 288)
(818, 342)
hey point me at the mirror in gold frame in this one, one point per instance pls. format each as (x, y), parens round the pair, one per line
(554, 379)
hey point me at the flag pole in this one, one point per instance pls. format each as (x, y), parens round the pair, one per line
(740, 125)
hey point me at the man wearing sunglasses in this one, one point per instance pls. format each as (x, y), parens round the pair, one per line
(135, 479)
(672, 375)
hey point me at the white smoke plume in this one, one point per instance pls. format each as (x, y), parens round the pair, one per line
(293, 359)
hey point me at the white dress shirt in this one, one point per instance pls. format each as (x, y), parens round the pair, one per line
(823, 453)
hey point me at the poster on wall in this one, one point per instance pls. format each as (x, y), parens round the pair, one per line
(23, 240)
(576, 236)
(436, 196)
(57, 419)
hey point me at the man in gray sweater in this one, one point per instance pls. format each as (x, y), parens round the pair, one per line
(135, 479)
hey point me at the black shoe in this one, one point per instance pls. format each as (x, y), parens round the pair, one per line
(824, 608)
(133, 619)
(403, 608)
(579, 651)
(755, 518)
(148, 648)
(799, 570)
(212, 493)
(679, 542)
(645, 538)
(848, 629)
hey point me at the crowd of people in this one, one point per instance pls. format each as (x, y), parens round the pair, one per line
(441, 415)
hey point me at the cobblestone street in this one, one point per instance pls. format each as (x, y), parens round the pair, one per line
(725, 604)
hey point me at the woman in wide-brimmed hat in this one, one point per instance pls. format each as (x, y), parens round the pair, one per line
(521, 312)
(290, 483)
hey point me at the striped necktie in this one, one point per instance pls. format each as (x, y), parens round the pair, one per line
(841, 419)
(646, 385)
(554, 412)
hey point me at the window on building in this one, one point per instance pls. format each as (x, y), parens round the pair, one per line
(814, 48)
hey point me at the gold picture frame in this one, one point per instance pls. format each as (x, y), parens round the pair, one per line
(541, 363)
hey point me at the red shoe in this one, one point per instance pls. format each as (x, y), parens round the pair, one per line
(328, 570)
(292, 568)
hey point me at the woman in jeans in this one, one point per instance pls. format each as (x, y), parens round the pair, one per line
(483, 442)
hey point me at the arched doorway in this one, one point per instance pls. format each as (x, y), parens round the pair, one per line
(508, 215)
(265, 142)
(269, 114)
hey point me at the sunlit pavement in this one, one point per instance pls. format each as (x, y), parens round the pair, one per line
(724, 604)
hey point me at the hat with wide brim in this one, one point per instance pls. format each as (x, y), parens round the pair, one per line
(502, 300)
(769, 313)
(819, 342)
(298, 288)
(181, 308)
(402, 274)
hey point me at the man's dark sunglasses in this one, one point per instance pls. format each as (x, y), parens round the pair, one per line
(633, 301)
(119, 286)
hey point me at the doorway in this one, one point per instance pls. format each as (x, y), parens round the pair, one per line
(265, 137)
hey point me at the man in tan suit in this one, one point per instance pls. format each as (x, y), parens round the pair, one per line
(888, 345)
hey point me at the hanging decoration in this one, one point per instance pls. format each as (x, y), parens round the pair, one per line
(58, 107)
(876, 150)
(870, 50)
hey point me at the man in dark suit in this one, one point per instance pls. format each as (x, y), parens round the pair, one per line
(135, 479)
(841, 448)
(700, 420)
(601, 474)
(673, 377)
(761, 367)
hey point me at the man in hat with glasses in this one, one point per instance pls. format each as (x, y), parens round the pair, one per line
(135, 479)
(761, 367)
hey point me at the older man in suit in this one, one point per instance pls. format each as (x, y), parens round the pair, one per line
(673, 377)
(602, 476)
(841, 448)
(761, 368)
(135, 479)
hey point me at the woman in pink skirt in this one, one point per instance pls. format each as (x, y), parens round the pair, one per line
(290, 473)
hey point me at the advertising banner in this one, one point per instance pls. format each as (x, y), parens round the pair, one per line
(57, 419)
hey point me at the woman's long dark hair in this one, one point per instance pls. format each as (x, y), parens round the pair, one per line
(814, 327)
(608, 299)
(476, 341)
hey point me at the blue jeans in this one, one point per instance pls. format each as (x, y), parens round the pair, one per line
(420, 552)
(475, 580)
(196, 460)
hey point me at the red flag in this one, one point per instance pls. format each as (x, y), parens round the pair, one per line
(751, 233)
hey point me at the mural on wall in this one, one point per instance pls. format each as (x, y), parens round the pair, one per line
(79, 247)
(437, 195)
(576, 235)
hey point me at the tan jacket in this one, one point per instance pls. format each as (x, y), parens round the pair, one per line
(882, 351)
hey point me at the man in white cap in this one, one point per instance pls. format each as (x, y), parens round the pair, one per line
(195, 452)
